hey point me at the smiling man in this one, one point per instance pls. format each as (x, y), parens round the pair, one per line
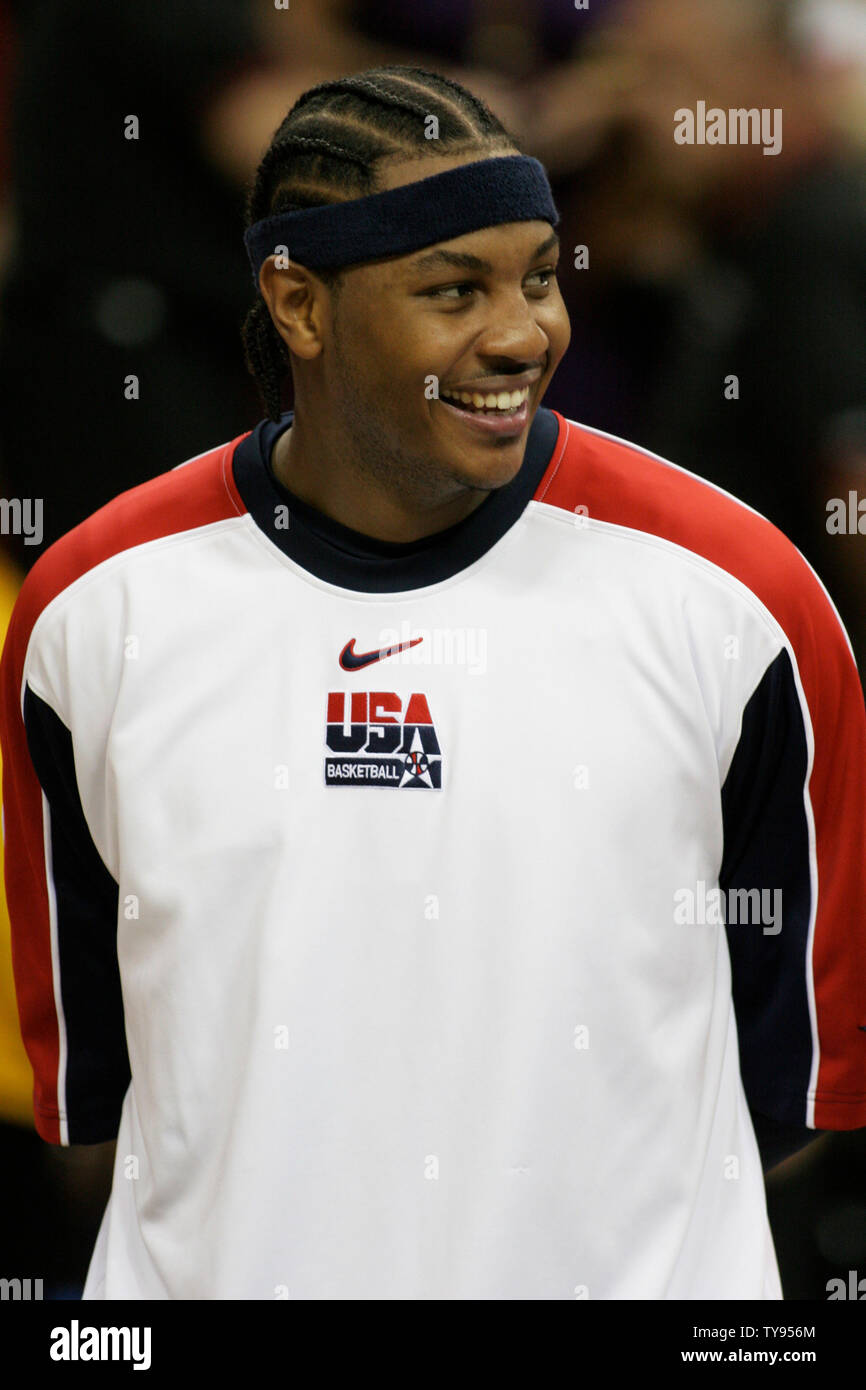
(410, 460)
(459, 1041)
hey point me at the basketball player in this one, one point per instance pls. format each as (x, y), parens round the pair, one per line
(513, 1031)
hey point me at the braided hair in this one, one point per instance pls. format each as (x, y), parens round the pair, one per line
(326, 150)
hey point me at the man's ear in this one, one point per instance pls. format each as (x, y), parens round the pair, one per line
(296, 302)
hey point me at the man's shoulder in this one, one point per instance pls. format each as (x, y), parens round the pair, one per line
(622, 484)
(194, 494)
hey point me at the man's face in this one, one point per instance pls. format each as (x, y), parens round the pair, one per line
(480, 313)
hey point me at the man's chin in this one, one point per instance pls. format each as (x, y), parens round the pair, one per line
(485, 461)
(489, 467)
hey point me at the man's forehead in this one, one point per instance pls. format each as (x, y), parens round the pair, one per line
(520, 237)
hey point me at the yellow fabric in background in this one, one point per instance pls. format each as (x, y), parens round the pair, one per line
(16, 1075)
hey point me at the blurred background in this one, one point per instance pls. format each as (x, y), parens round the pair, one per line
(122, 256)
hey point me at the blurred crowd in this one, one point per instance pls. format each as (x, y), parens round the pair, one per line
(718, 319)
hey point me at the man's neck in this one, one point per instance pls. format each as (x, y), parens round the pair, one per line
(357, 502)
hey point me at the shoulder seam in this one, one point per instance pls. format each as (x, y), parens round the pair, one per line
(668, 463)
(710, 487)
(688, 556)
(97, 571)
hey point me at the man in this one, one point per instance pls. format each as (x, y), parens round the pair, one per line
(378, 786)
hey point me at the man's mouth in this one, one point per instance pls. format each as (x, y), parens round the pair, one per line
(507, 421)
(492, 403)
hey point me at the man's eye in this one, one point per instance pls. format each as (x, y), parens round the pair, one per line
(453, 291)
(549, 275)
(442, 290)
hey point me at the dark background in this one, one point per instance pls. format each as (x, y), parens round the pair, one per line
(125, 256)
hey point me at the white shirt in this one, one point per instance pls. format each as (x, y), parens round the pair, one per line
(416, 967)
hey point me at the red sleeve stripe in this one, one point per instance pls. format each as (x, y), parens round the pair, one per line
(196, 494)
(27, 895)
(619, 483)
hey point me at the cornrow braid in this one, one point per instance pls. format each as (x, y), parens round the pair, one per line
(327, 149)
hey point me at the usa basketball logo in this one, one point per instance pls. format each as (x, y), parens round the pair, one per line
(378, 743)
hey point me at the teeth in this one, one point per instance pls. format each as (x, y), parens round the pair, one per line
(494, 400)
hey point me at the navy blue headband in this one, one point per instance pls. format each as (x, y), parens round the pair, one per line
(506, 188)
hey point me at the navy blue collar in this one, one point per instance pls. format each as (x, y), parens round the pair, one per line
(339, 555)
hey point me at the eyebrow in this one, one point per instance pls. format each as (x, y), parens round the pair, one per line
(462, 260)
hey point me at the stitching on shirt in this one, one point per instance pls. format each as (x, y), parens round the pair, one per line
(224, 461)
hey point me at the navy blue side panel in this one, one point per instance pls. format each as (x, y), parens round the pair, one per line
(97, 1066)
(766, 846)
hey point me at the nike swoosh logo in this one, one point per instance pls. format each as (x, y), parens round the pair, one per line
(350, 660)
